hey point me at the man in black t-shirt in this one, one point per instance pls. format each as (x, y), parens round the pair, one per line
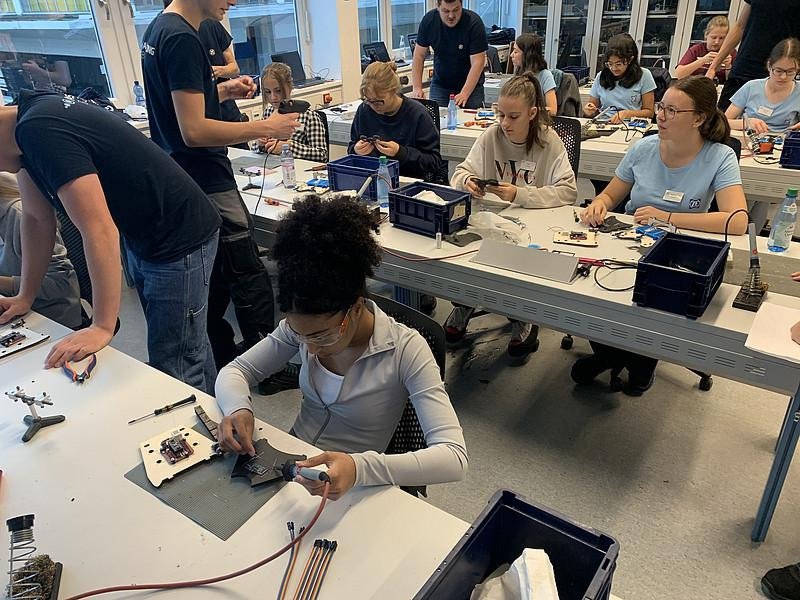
(183, 105)
(760, 26)
(111, 180)
(458, 38)
(218, 43)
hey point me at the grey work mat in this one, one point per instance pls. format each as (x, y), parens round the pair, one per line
(207, 494)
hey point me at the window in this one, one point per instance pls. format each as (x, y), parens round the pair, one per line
(369, 22)
(488, 10)
(50, 44)
(261, 28)
(406, 15)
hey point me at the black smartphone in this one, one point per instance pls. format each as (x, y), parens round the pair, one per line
(482, 183)
(293, 106)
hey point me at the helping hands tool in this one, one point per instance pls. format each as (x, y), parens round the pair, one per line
(165, 409)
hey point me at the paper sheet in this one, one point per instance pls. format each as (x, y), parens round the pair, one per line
(770, 332)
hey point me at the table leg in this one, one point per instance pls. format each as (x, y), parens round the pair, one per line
(787, 442)
(407, 297)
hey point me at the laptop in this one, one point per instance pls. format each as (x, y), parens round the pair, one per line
(292, 60)
(377, 52)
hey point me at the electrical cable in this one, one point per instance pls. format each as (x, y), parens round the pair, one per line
(263, 183)
(730, 216)
(210, 580)
(324, 570)
(614, 268)
(287, 574)
(307, 569)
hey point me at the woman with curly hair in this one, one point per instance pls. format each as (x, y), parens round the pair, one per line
(359, 366)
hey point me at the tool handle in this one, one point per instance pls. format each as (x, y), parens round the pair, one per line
(313, 474)
(169, 407)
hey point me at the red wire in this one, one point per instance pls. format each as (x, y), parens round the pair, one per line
(198, 582)
(431, 258)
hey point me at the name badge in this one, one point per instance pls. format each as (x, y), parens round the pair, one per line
(527, 165)
(671, 196)
(764, 110)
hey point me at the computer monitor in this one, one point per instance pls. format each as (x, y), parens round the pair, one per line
(292, 60)
(412, 42)
(376, 52)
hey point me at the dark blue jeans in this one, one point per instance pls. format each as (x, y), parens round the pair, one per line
(174, 296)
(442, 95)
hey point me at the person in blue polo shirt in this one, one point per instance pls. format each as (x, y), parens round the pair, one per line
(458, 39)
(671, 177)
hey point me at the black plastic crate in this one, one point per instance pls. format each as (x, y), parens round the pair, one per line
(790, 152)
(350, 172)
(428, 218)
(680, 274)
(583, 559)
(581, 73)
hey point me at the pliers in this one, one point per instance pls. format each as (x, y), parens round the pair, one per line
(83, 376)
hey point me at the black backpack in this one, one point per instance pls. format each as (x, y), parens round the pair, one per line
(501, 35)
(662, 78)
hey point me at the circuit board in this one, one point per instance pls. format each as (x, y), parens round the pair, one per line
(575, 238)
(15, 337)
(175, 448)
(172, 452)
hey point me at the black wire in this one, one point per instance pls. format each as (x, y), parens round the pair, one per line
(730, 216)
(617, 268)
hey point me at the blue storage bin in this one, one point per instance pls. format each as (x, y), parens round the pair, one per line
(427, 218)
(680, 274)
(581, 73)
(349, 173)
(790, 153)
(583, 559)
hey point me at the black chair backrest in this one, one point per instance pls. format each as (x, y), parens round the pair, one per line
(441, 177)
(569, 130)
(433, 110)
(324, 118)
(409, 437)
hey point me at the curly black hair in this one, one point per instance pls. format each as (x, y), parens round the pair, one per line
(325, 251)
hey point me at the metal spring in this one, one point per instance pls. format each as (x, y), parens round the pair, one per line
(22, 584)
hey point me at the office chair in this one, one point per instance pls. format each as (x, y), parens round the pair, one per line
(324, 118)
(409, 436)
(441, 176)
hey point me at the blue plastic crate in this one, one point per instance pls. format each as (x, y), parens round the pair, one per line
(790, 153)
(680, 274)
(349, 173)
(583, 559)
(581, 73)
(428, 218)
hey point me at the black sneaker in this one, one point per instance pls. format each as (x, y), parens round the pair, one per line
(427, 304)
(586, 369)
(288, 379)
(638, 384)
(782, 584)
(524, 341)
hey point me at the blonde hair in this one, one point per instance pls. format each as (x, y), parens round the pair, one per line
(718, 21)
(9, 189)
(280, 73)
(380, 78)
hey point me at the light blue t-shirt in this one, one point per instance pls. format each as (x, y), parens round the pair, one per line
(621, 97)
(546, 80)
(714, 168)
(752, 97)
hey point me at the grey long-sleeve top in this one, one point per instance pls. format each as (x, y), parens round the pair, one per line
(397, 365)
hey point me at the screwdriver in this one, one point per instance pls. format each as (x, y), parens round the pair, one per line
(165, 409)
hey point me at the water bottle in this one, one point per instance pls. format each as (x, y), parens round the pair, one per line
(287, 167)
(138, 94)
(452, 113)
(780, 235)
(403, 48)
(382, 185)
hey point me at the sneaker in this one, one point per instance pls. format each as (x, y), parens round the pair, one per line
(587, 368)
(782, 584)
(524, 339)
(427, 304)
(288, 379)
(638, 384)
(455, 327)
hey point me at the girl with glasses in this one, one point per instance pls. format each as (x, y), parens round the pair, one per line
(308, 141)
(671, 177)
(527, 56)
(399, 128)
(359, 366)
(528, 160)
(622, 87)
(771, 104)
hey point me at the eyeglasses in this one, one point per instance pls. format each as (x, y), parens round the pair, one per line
(778, 72)
(373, 102)
(670, 111)
(616, 65)
(324, 338)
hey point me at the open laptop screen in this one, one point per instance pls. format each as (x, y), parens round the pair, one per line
(292, 60)
(376, 51)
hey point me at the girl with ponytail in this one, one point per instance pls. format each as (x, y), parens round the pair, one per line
(671, 177)
(532, 170)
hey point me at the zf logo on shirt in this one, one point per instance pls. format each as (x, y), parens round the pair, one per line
(636, 98)
(694, 203)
